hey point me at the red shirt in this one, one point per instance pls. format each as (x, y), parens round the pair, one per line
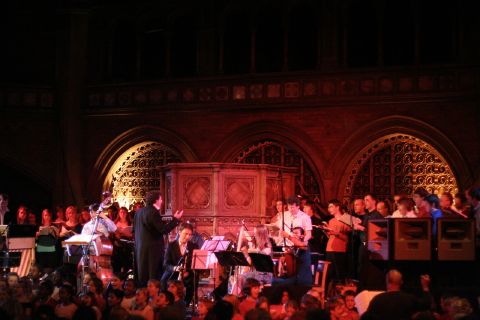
(337, 243)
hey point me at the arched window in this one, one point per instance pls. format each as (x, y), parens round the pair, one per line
(236, 44)
(137, 171)
(124, 51)
(153, 50)
(302, 39)
(269, 40)
(275, 153)
(398, 164)
(183, 53)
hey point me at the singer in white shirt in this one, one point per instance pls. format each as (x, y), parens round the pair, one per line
(294, 218)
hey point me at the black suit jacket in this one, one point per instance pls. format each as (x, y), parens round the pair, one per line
(173, 255)
(149, 230)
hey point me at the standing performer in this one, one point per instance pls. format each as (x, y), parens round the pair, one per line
(149, 230)
(337, 240)
(293, 218)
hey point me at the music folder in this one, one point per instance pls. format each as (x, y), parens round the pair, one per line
(231, 258)
(261, 262)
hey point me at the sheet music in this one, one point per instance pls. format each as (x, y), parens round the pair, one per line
(80, 238)
(349, 220)
(3, 230)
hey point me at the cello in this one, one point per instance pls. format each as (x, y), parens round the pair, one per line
(98, 252)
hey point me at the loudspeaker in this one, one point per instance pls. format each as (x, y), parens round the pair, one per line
(456, 239)
(378, 239)
(412, 239)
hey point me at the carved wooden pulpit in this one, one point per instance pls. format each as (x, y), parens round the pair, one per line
(220, 195)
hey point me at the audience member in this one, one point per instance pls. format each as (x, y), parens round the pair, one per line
(177, 288)
(141, 307)
(251, 290)
(338, 311)
(394, 303)
(66, 307)
(88, 299)
(129, 288)
(233, 300)
(349, 297)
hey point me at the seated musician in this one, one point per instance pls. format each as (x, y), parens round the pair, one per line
(302, 274)
(178, 260)
(260, 243)
(104, 226)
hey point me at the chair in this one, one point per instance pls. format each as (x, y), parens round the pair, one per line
(320, 279)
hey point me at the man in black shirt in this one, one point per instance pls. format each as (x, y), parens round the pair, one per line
(395, 304)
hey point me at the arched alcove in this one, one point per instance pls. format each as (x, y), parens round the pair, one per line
(277, 144)
(156, 144)
(397, 164)
(413, 142)
(137, 171)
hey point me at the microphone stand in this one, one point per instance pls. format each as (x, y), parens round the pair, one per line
(280, 174)
(85, 249)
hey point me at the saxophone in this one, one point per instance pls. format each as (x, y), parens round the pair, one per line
(183, 266)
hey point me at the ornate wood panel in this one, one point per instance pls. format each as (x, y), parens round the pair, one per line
(274, 153)
(399, 164)
(197, 192)
(220, 195)
(139, 172)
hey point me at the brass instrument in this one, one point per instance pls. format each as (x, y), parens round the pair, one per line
(183, 265)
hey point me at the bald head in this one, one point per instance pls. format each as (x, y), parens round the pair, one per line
(394, 280)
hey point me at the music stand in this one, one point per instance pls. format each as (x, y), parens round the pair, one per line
(231, 258)
(215, 245)
(21, 231)
(261, 262)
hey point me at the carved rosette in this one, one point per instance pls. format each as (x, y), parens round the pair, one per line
(197, 193)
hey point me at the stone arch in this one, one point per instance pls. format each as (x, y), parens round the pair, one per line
(374, 137)
(259, 134)
(126, 143)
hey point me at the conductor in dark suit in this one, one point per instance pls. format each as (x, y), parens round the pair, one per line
(149, 230)
(178, 260)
